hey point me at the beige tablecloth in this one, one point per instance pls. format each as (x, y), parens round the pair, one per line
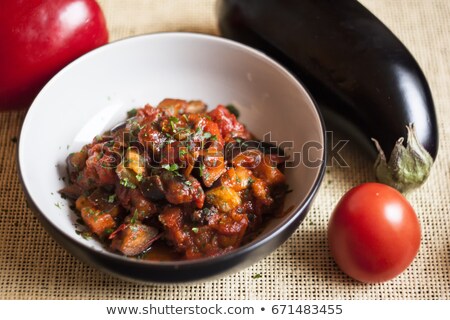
(33, 266)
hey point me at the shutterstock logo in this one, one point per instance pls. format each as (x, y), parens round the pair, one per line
(195, 153)
(311, 152)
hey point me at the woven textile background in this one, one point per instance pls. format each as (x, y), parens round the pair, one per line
(33, 266)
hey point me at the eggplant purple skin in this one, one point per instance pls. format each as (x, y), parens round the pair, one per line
(352, 64)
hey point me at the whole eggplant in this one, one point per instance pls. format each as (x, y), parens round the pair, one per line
(354, 67)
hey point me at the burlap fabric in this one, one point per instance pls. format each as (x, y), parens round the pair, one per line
(33, 266)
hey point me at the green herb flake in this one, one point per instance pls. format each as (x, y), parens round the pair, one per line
(233, 110)
(207, 135)
(195, 230)
(108, 231)
(201, 168)
(86, 235)
(135, 217)
(172, 121)
(257, 276)
(112, 198)
(188, 183)
(214, 138)
(132, 113)
(170, 167)
(58, 205)
(139, 177)
(126, 183)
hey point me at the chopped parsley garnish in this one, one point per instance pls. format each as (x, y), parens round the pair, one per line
(132, 113)
(257, 276)
(195, 230)
(108, 231)
(86, 235)
(172, 121)
(201, 168)
(135, 217)
(182, 152)
(170, 167)
(139, 177)
(111, 198)
(127, 183)
(233, 110)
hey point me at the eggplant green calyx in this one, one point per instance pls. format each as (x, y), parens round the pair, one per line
(408, 167)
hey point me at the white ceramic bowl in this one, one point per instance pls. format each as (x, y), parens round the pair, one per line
(94, 92)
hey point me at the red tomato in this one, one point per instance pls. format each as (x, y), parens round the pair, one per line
(40, 37)
(374, 233)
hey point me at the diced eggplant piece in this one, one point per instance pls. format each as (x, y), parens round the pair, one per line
(104, 202)
(135, 161)
(233, 149)
(260, 190)
(202, 216)
(248, 159)
(172, 107)
(195, 106)
(178, 190)
(72, 191)
(224, 198)
(141, 206)
(97, 221)
(134, 238)
(76, 162)
(268, 171)
(230, 227)
(127, 177)
(238, 178)
(213, 166)
(152, 188)
(172, 220)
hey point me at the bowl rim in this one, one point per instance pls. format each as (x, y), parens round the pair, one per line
(299, 211)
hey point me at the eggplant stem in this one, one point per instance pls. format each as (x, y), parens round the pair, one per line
(408, 167)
